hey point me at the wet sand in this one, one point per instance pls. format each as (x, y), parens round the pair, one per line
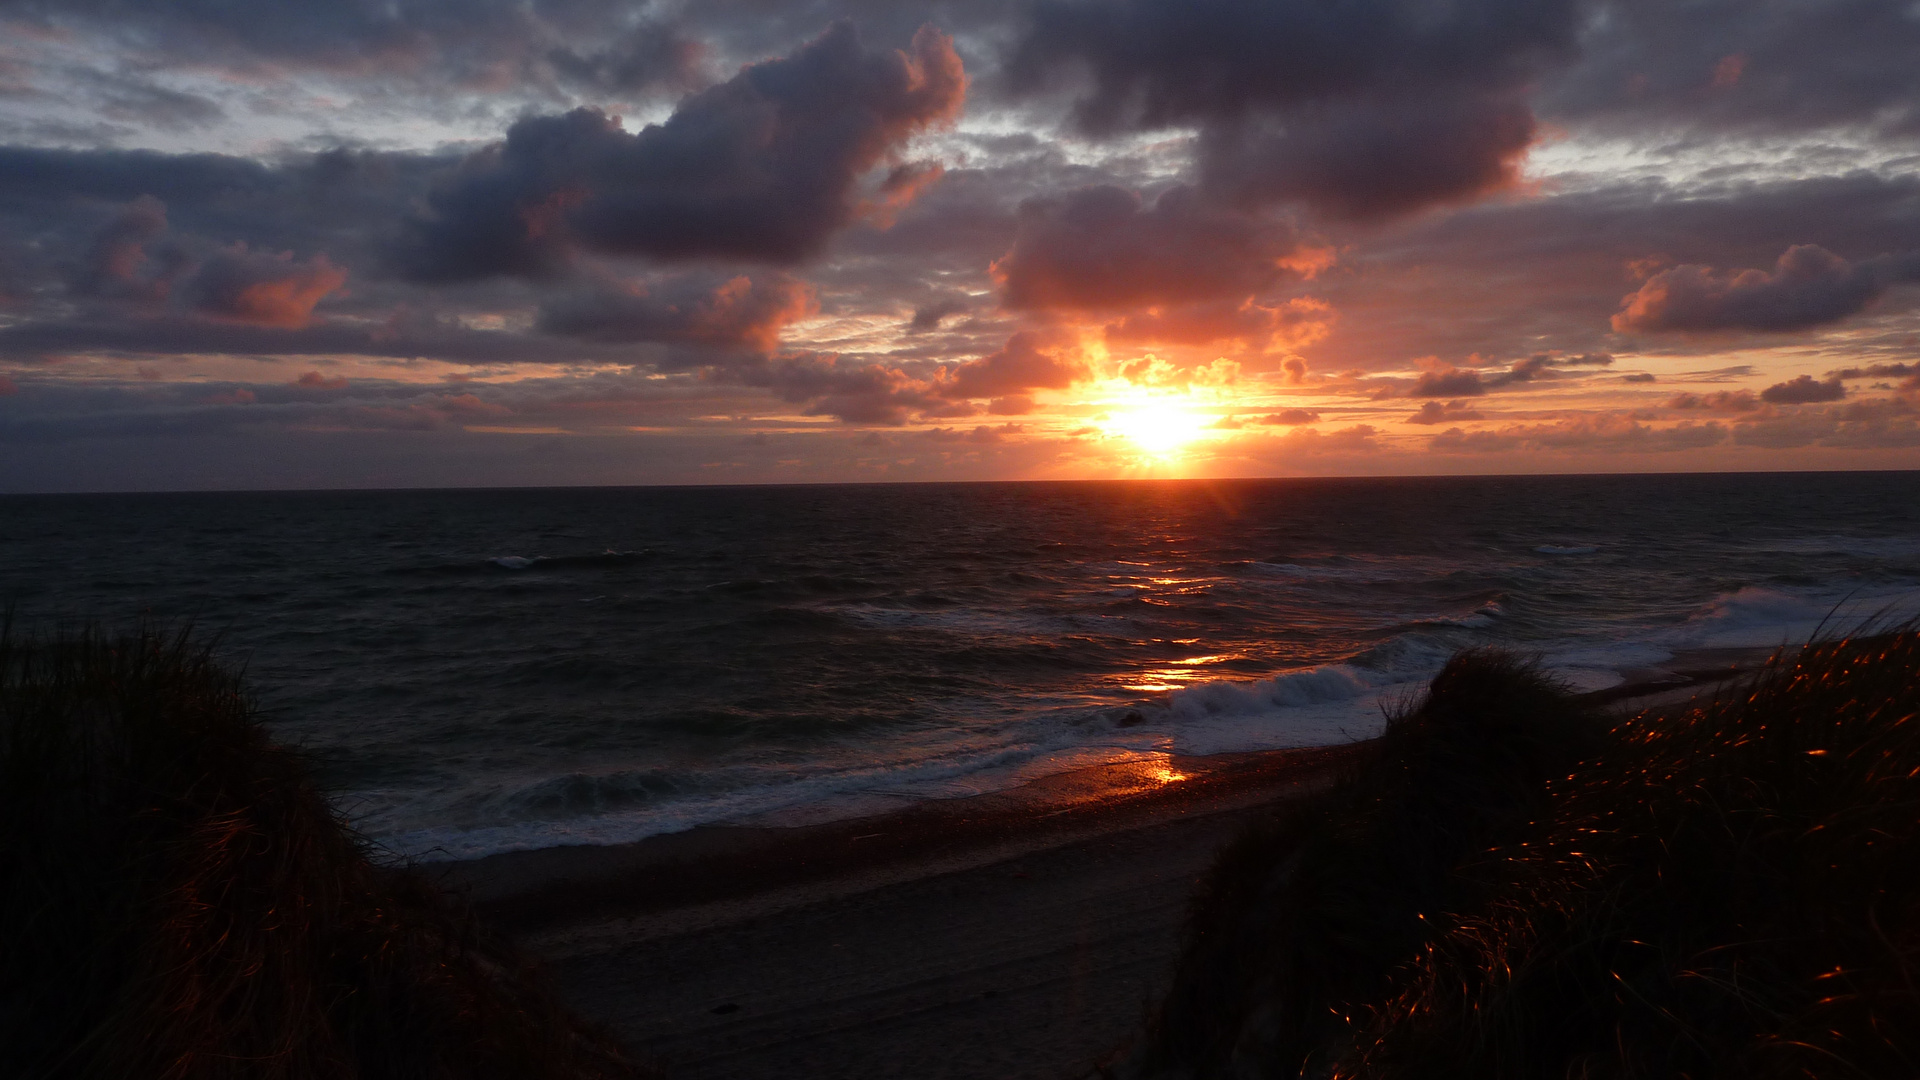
(1019, 934)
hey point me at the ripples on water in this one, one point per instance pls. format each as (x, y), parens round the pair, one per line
(482, 670)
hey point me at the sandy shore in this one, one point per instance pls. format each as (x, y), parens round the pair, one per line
(1019, 934)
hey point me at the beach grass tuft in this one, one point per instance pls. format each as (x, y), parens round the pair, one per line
(178, 900)
(1509, 887)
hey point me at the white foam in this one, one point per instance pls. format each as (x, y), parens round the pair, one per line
(1756, 617)
(513, 562)
(1322, 705)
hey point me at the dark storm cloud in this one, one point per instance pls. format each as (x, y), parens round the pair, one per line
(1103, 248)
(850, 390)
(1363, 110)
(1878, 371)
(72, 206)
(1809, 286)
(765, 166)
(737, 313)
(1373, 159)
(1437, 384)
(1802, 390)
(1763, 66)
(1433, 412)
(1445, 381)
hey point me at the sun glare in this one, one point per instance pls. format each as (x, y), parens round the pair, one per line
(1160, 426)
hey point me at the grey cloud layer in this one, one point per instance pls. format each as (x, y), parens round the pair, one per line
(1213, 147)
(761, 167)
(1362, 110)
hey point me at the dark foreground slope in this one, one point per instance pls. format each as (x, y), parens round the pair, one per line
(177, 900)
(1511, 888)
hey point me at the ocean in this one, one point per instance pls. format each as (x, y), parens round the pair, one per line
(475, 671)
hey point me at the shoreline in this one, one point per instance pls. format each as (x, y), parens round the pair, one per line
(711, 874)
(1018, 935)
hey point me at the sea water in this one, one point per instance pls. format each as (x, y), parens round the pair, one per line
(479, 671)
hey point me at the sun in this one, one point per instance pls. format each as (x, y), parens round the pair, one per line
(1160, 426)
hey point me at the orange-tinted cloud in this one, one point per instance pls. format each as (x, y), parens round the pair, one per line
(1808, 286)
(263, 290)
(1028, 361)
(1103, 249)
(1293, 324)
(740, 312)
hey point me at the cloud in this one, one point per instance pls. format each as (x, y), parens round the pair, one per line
(1291, 417)
(1802, 390)
(313, 380)
(1102, 248)
(1878, 371)
(1292, 324)
(1743, 67)
(652, 55)
(929, 317)
(1360, 110)
(116, 262)
(436, 46)
(1027, 362)
(741, 312)
(849, 390)
(1809, 286)
(1718, 401)
(1450, 382)
(1598, 432)
(264, 290)
(765, 166)
(1861, 425)
(1433, 412)
(1312, 442)
(1370, 160)
(1443, 380)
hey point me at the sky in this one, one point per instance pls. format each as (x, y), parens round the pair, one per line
(400, 243)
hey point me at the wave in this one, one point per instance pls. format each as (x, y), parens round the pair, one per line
(1757, 617)
(1557, 549)
(517, 563)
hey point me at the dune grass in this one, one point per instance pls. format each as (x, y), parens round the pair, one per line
(1512, 887)
(178, 900)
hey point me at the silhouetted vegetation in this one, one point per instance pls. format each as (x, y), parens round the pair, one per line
(1511, 888)
(178, 900)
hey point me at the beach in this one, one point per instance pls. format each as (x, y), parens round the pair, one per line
(1025, 933)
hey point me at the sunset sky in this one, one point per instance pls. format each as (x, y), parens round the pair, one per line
(352, 243)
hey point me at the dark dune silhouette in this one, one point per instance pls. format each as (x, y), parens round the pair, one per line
(178, 900)
(1728, 890)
